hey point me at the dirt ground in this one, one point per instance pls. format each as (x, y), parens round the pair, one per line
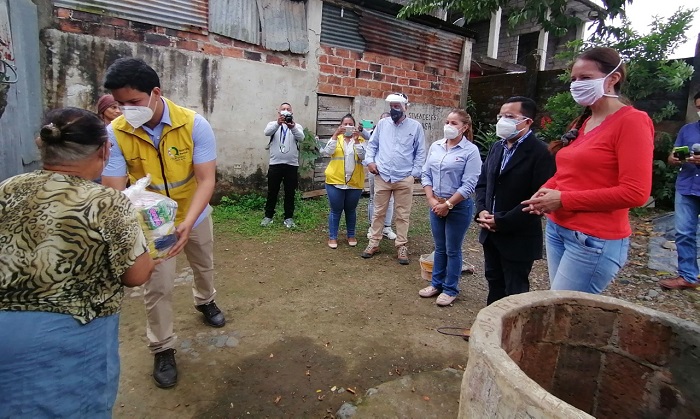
(303, 319)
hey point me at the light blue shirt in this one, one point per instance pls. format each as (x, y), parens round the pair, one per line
(202, 137)
(453, 170)
(397, 150)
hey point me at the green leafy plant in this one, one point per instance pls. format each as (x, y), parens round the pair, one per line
(308, 151)
(663, 182)
(484, 138)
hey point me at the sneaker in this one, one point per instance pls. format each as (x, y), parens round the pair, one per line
(678, 283)
(445, 300)
(212, 315)
(289, 223)
(165, 369)
(266, 221)
(371, 250)
(389, 233)
(429, 291)
(403, 255)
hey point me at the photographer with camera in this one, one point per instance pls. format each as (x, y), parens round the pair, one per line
(284, 136)
(686, 153)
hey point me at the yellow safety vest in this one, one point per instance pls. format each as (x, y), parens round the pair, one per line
(170, 166)
(335, 172)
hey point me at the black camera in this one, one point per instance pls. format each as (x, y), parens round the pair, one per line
(288, 119)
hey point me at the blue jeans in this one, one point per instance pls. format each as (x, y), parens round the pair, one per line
(579, 262)
(342, 200)
(686, 218)
(448, 234)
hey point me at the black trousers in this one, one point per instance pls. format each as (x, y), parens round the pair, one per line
(505, 277)
(281, 174)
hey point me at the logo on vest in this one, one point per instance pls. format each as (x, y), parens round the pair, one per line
(178, 154)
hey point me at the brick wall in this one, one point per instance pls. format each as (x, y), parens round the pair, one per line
(73, 21)
(344, 72)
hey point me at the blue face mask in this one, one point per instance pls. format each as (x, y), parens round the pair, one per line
(396, 114)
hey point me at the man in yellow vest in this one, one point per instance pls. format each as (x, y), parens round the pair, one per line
(176, 146)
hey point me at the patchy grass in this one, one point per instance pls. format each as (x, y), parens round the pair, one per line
(241, 215)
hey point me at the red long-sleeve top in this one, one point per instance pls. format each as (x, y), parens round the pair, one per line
(604, 173)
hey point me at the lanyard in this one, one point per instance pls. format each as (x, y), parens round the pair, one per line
(283, 137)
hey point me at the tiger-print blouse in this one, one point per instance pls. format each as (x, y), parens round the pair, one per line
(64, 244)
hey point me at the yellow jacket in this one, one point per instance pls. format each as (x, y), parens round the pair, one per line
(335, 172)
(171, 167)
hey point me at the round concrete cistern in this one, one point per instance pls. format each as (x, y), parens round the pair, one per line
(564, 354)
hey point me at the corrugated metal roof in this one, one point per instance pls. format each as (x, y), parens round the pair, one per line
(341, 31)
(385, 34)
(189, 15)
(237, 19)
(284, 25)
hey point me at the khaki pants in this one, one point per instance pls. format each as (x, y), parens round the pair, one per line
(403, 200)
(158, 291)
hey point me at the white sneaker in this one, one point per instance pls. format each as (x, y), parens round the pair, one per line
(369, 233)
(266, 221)
(389, 233)
(289, 223)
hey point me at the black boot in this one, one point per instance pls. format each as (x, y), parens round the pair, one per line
(212, 315)
(165, 369)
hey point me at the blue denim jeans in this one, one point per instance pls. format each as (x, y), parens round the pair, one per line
(579, 262)
(448, 234)
(342, 200)
(686, 219)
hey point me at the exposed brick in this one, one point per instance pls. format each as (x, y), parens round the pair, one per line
(396, 62)
(388, 70)
(406, 65)
(348, 82)
(622, 388)
(172, 32)
(323, 59)
(327, 69)
(187, 45)
(325, 88)
(591, 326)
(86, 17)
(115, 21)
(71, 26)
(327, 49)
(364, 74)
(385, 87)
(419, 67)
(254, 56)
(366, 92)
(353, 91)
(335, 80)
(361, 83)
(644, 338)
(193, 36)
(223, 40)
(156, 39)
(421, 76)
(348, 62)
(339, 90)
(403, 81)
(159, 30)
(424, 84)
(390, 79)
(138, 26)
(575, 379)
(354, 55)
(322, 79)
(335, 60)
(343, 53)
(431, 70)
(378, 76)
(62, 13)
(399, 72)
(343, 71)
(127, 34)
(411, 74)
(434, 86)
(273, 59)
(362, 65)
(102, 31)
(375, 68)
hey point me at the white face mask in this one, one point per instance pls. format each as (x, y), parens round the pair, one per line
(450, 131)
(506, 128)
(587, 92)
(138, 115)
(698, 114)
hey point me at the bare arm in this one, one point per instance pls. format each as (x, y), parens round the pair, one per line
(115, 182)
(140, 272)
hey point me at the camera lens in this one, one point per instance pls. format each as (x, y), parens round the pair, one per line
(288, 119)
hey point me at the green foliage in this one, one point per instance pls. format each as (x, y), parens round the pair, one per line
(550, 14)
(308, 151)
(663, 182)
(562, 111)
(241, 214)
(484, 138)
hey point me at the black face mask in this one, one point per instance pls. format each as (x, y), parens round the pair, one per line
(396, 114)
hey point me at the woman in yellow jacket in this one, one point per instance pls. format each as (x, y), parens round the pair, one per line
(345, 178)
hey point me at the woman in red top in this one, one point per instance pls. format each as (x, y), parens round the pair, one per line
(603, 169)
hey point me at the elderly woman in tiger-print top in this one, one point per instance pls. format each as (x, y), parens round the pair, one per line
(67, 248)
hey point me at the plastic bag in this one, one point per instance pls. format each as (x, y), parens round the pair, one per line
(156, 214)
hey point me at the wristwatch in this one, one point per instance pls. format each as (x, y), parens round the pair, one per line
(449, 204)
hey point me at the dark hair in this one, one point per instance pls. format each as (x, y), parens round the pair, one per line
(607, 60)
(133, 73)
(466, 119)
(697, 96)
(348, 116)
(285, 103)
(70, 134)
(528, 107)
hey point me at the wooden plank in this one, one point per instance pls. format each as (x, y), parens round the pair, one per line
(313, 194)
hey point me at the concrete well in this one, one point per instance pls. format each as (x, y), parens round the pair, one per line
(562, 354)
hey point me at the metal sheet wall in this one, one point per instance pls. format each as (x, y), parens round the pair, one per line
(237, 19)
(384, 34)
(341, 30)
(188, 15)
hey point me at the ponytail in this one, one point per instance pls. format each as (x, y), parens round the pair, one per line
(572, 134)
